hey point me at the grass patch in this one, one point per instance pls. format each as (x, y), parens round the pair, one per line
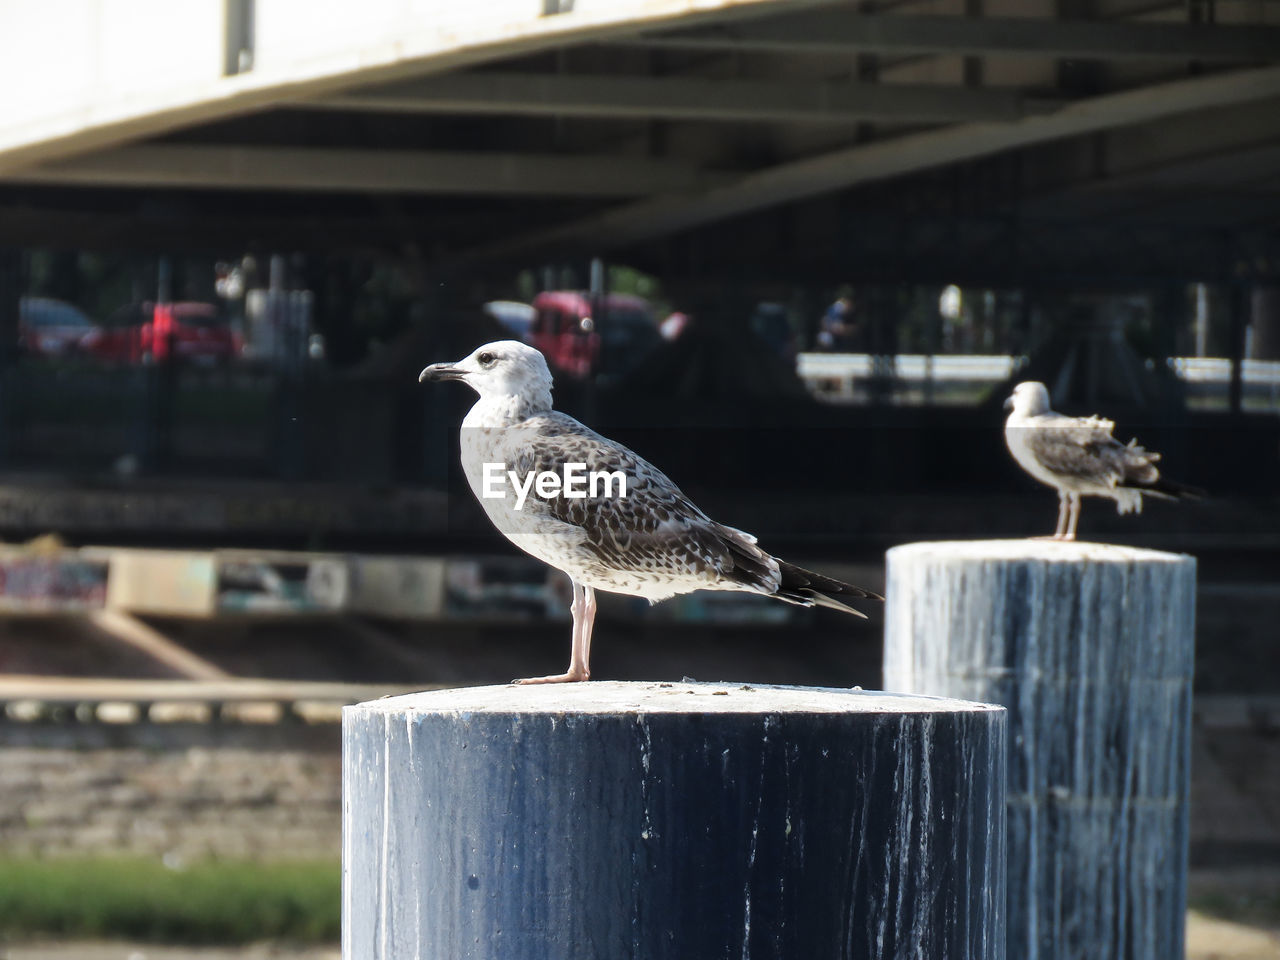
(1259, 908)
(212, 902)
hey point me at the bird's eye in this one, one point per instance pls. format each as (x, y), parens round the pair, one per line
(486, 359)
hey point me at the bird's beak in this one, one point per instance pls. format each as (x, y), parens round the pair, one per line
(441, 371)
(1008, 403)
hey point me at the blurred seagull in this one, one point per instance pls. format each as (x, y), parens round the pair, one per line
(1079, 457)
(529, 467)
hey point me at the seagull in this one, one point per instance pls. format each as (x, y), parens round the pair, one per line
(1078, 456)
(535, 472)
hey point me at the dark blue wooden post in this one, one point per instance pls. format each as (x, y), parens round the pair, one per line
(683, 820)
(1090, 646)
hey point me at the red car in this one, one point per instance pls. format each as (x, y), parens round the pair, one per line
(576, 342)
(563, 329)
(141, 332)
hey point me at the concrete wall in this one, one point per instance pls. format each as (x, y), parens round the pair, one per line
(184, 791)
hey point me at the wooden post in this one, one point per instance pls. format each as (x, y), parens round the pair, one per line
(672, 820)
(1090, 647)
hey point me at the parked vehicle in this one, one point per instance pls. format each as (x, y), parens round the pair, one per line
(512, 314)
(628, 333)
(142, 332)
(565, 331)
(49, 327)
(581, 335)
(769, 322)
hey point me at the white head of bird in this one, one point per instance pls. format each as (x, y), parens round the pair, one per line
(1029, 399)
(510, 376)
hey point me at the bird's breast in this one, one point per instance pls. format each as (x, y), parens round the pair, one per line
(1017, 436)
(480, 446)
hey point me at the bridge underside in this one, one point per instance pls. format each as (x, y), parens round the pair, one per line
(1081, 141)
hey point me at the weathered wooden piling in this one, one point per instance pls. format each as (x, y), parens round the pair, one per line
(672, 820)
(1090, 647)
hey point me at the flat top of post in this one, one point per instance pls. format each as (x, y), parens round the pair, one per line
(1053, 551)
(632, 697)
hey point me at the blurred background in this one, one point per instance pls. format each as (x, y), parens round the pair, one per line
(794, 253)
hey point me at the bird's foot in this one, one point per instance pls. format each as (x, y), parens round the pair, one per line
(1055, 536)
(572, 676)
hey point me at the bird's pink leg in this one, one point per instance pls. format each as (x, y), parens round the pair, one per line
(588, 625)
(1060, 532)
(583, 610)
(1075, 517)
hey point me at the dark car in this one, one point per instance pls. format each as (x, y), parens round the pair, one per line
(628, 333)
(50, 328)
(141, 332)
(771, 324)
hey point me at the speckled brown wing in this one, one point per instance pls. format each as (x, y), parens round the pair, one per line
(655, 528)
(1084, 449)
(1076, 448)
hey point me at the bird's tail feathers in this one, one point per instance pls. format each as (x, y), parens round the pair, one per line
(812, 598)
(1166, 489)
(1149, 455)
(798, 585)
(751, 565)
